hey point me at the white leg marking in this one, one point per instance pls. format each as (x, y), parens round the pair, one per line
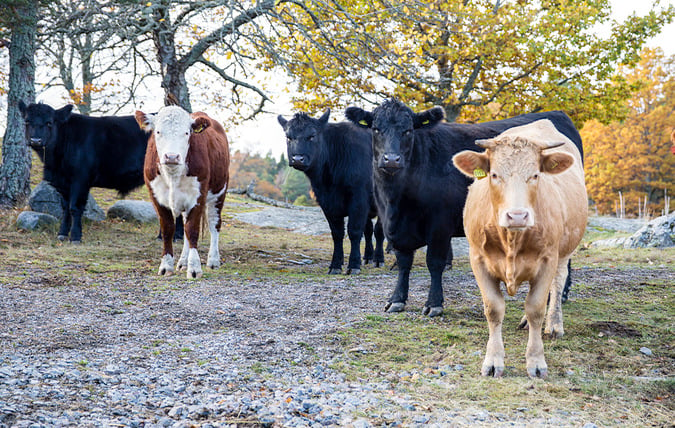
(213, 260)
(166, 265)
(183, 261)
(194, 266)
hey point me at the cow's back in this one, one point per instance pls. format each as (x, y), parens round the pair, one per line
(108, 151)
(209, 154)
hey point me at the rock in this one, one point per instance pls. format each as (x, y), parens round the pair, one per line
(31, 220)
(140, 211)
(45, 199)
(646, 351)
(658, 233)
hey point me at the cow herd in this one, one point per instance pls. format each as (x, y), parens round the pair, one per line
(514, 187)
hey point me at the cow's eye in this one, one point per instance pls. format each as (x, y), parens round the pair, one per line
(407, 132)
(376, 131)
(311, 138)
(534, 177)
(494, 176)
(187, 133)
(49, 124)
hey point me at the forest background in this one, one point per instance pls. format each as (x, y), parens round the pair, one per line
(479, 60)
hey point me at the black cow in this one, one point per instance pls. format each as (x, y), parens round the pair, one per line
(336, 157)
(419, 193)
(81, 152)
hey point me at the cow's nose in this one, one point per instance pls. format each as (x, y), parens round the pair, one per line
(36, 140)
(171, 158)
(297, 160)
(391, 160)
(517, 218)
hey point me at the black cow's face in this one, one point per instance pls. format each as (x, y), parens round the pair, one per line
(42, 123)
(303, 138)
(393, 125)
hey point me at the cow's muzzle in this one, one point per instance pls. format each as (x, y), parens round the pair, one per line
(300, 162)
(35, 142)
(390, 162)
(171, 159)
(518, 219)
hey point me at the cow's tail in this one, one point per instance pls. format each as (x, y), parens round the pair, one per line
(568, 282)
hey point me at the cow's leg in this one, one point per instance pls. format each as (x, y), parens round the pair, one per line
(167, 228)
(535, 310)
(568, 282)
(554, 317)
(213, 210)
(192, 222)
(436, 258)
(379, 244)
(493, 306)
(398, 299)
(78, 201)
(66, 221)
(355, 226)
(337, 232)
(448, 259)
(368, 236)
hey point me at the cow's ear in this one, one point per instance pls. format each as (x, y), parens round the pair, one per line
(62, 114)
(359, 116)
(145, 121)
(428, 117)
(200, 124)
(324, 117)
(283, 122)
(555, 163)
(472, 164)
(22, 108)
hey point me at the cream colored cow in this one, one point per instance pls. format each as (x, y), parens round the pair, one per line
(524, 215)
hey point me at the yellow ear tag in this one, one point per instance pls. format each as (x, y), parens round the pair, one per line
(199, 129)
(479, 173)
(363, 122)
(425, 122)
(552, 165)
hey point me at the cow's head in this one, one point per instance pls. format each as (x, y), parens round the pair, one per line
(393, 125)
(42, 122)
(304, 138)
(513, 167)
(172, 128)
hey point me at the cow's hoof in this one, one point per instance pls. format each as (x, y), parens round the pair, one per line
(334, 271)
(394, 307)
(213, 265)
(523, 323)
(194, 274)
(353, 271)
(434, 311)
(492, 371)
(554, 333)
(164, 271)
(537, 372)
(62, 237)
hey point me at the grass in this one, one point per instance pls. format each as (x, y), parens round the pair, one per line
(602, 376)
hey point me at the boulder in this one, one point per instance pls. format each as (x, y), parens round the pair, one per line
(31, 220)
(140, 211)
(45, 199)
(658, 233)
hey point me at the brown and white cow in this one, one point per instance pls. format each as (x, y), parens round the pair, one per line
(186, 171)
(524, 215)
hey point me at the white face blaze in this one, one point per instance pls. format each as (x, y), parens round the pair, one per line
(172, 127)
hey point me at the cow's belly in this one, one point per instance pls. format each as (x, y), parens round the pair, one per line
(179, 194)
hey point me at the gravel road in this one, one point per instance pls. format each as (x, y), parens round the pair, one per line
(228, 352)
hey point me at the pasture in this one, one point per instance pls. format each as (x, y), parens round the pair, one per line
(272, 307)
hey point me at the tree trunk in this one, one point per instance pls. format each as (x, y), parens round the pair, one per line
(173, 72)
(16, 158)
